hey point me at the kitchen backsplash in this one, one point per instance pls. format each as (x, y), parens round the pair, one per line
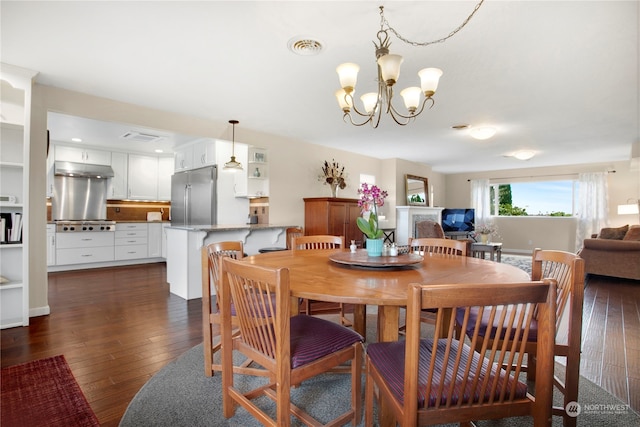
(122, 210)
(260, 207)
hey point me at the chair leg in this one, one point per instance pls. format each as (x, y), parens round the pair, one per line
(572, 377)
(531, 366)
(356, 383)
(368, 399)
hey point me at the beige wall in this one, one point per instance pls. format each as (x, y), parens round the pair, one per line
(294, 169)
(523, 234)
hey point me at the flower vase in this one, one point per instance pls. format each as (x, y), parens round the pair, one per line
(374, 247)
(334, 189)
(485, 238)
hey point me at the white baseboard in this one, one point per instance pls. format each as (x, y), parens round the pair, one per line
(39, 311)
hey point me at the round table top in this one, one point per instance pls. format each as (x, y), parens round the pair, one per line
(313, 275)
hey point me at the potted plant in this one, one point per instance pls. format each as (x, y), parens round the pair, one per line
(371, 197)
(485, 230)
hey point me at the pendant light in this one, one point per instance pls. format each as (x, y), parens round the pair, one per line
(233, 164)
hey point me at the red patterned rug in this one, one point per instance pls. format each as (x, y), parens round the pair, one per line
(43, 393)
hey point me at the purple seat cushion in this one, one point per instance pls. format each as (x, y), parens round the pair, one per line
(388, 358)
(473, 315)
(313, 338)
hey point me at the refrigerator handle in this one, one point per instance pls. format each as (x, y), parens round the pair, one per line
(187, 195)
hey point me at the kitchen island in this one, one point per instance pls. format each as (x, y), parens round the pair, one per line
(184, 269)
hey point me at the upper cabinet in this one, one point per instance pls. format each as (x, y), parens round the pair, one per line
(195, 155)
(165, 170)
(82, 155)
(257, 172)
(118, 188)
(142, 177)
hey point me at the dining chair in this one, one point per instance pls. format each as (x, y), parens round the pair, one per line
(442, 379)
(211, 258)
(438, 245)
(316, 242)
(567, 269)
(435, 245)
(292, 349)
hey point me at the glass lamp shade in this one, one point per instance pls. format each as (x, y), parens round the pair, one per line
(482, 132)
(411, 97)
(390, 68)
(348, 75)
(429, 78)
(370, 101)
(343, 100)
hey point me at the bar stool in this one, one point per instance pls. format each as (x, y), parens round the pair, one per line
(291, 233)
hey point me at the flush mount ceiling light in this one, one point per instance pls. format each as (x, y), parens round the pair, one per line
(524, 154)
(482, 132)
(388, 73)
(233, 164)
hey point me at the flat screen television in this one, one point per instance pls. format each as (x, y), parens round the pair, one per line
(458, 220)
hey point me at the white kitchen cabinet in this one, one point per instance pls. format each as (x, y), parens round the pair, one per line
(155, 233)
(164, 238)
(82, 155)
(183, 158)
(204, 153)
(118, 184)
(15, 140)
(51, 244)
(165, 170)
(240, 181)
(84, 247)
(131, 241)
(142, 177)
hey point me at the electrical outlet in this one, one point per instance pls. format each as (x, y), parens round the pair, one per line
(117, 210)
(530, 242)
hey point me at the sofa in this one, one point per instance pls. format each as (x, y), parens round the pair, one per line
(613, 252)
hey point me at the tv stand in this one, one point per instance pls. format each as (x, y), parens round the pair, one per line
(457, 235)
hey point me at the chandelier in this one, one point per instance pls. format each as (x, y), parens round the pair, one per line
(388, 73)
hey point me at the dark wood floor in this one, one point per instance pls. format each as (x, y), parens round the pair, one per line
(119, 326)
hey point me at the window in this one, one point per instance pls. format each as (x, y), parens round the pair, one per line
(537, 198)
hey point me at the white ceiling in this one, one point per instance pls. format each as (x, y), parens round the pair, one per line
(559, 78)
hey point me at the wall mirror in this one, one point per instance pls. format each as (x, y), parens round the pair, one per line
(416, 189)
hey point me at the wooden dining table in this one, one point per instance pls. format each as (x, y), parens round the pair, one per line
(313, 275)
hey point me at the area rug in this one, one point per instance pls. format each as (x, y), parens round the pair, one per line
(181, 395)
(43, 393)
(523, 262)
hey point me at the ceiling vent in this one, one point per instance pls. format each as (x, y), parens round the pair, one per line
(140, 137)
(305, 46)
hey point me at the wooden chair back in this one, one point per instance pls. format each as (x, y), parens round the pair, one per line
(460, 385)
(262, 301)
(291, 233)
(212, 255)
(320, 241)
(568, 271)
(438, 245)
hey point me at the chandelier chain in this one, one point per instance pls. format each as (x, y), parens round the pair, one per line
(451, 34)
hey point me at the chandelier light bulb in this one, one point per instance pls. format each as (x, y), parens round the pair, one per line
(344, 100)
(370, 101)
(411, 97)
(390, 68)
(429, 78)
(348, 75)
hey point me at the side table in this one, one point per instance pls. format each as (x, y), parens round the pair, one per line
(494, 249)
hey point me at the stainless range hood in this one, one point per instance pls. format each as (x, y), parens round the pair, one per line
(79, 191)
(84, 170)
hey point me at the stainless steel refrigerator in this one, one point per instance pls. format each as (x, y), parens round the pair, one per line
(193, 197)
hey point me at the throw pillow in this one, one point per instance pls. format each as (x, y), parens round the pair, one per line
(613, 233)
(633, 233)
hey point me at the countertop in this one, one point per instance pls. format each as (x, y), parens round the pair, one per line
(229, 227)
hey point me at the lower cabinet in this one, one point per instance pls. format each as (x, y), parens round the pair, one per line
(84, 247)
(131, 241)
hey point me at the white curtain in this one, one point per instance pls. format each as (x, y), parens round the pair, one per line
(480, 200)
(592, 205)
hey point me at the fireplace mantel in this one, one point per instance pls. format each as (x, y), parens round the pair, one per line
(407, 216)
